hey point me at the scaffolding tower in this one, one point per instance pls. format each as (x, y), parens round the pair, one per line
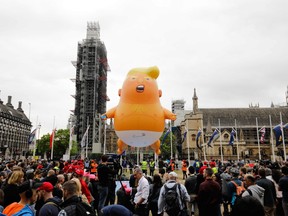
(91, 87)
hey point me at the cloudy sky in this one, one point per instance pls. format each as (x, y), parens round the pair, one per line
(233, 52)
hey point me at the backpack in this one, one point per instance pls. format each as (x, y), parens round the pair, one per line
(78, 209)
(239, 190)
(171, 201)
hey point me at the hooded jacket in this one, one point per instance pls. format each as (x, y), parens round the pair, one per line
(257, 192)
(17, 209)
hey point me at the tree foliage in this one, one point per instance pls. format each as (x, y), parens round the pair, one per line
(61, 143)
(166, 145)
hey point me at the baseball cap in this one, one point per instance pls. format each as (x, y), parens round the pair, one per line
(79, 172)
(47, 186)
(174, 174)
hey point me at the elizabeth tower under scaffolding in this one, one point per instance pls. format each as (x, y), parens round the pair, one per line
(91, 87)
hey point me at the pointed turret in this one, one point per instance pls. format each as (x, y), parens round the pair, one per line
(195, 102)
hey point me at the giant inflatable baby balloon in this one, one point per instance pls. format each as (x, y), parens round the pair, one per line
(139, 118)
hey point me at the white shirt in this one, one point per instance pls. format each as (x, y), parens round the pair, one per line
(142, 190)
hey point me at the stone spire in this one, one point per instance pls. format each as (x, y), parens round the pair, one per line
(195, 102)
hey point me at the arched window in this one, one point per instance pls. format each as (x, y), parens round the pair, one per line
(193, 137)
(234, 150)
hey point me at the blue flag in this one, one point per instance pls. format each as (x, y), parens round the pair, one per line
(197, 138)
(165, 135)
(184, 137)
(231, 141)
(214, 137)
(32, 136)
(278, 134)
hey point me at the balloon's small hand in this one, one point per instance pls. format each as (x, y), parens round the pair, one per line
(103, 117)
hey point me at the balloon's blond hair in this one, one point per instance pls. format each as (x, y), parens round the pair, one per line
(152, 72)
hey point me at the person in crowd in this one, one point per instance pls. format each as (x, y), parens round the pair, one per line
(115, 210)
(183, 195)
(151, 166)
(253, 189)
(275, 177)
(52, 204)
(231, 184)
(184, 169)
(144, 166)
(93, 167)
(243, 172)
(269, 193)
(11, 188)
(142, 194)
(3, 177)
(209, 195)
(79, 190)
(190, 184)
(248, 206)
(71, 200)
(103, 174)
(79, 173)
(283, 186)
(154, 192)
(163, 175)
(28, 196)
(1, 200)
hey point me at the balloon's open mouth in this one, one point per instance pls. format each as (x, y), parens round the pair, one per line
(140, 88)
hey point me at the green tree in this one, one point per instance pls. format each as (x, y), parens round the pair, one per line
(166, 145)
(61, 143)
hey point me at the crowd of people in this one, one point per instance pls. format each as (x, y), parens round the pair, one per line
(88, 187)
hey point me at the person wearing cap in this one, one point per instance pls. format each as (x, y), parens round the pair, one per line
(231, 186)
(51, 204)
(28, 195)
(183, 195)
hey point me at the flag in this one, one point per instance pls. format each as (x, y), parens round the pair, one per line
(278, 134)
(165, 135)
(184, 137)
(286, 126)
(71, 136)
(262, 138)
(84, 138)
(214, 137)
(231, 141)
(197, 138)
(32, 136)
(52, 136)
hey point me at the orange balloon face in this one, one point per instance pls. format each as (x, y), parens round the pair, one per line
(140, 88)
(139, 118)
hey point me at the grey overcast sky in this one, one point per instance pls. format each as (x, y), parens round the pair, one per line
(233, 52)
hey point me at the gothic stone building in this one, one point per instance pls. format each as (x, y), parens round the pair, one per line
(243, 120)
(15, 128)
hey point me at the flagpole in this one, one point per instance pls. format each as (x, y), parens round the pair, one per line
(237, 140)
(171, 139)
(52, 148)
(283, 138)
(70, 140)
(87, 138)
(221, 150)
(104, 145)
(35, 140)
(188, 142)
(202, 136)
(258, 139)
(271, 138)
